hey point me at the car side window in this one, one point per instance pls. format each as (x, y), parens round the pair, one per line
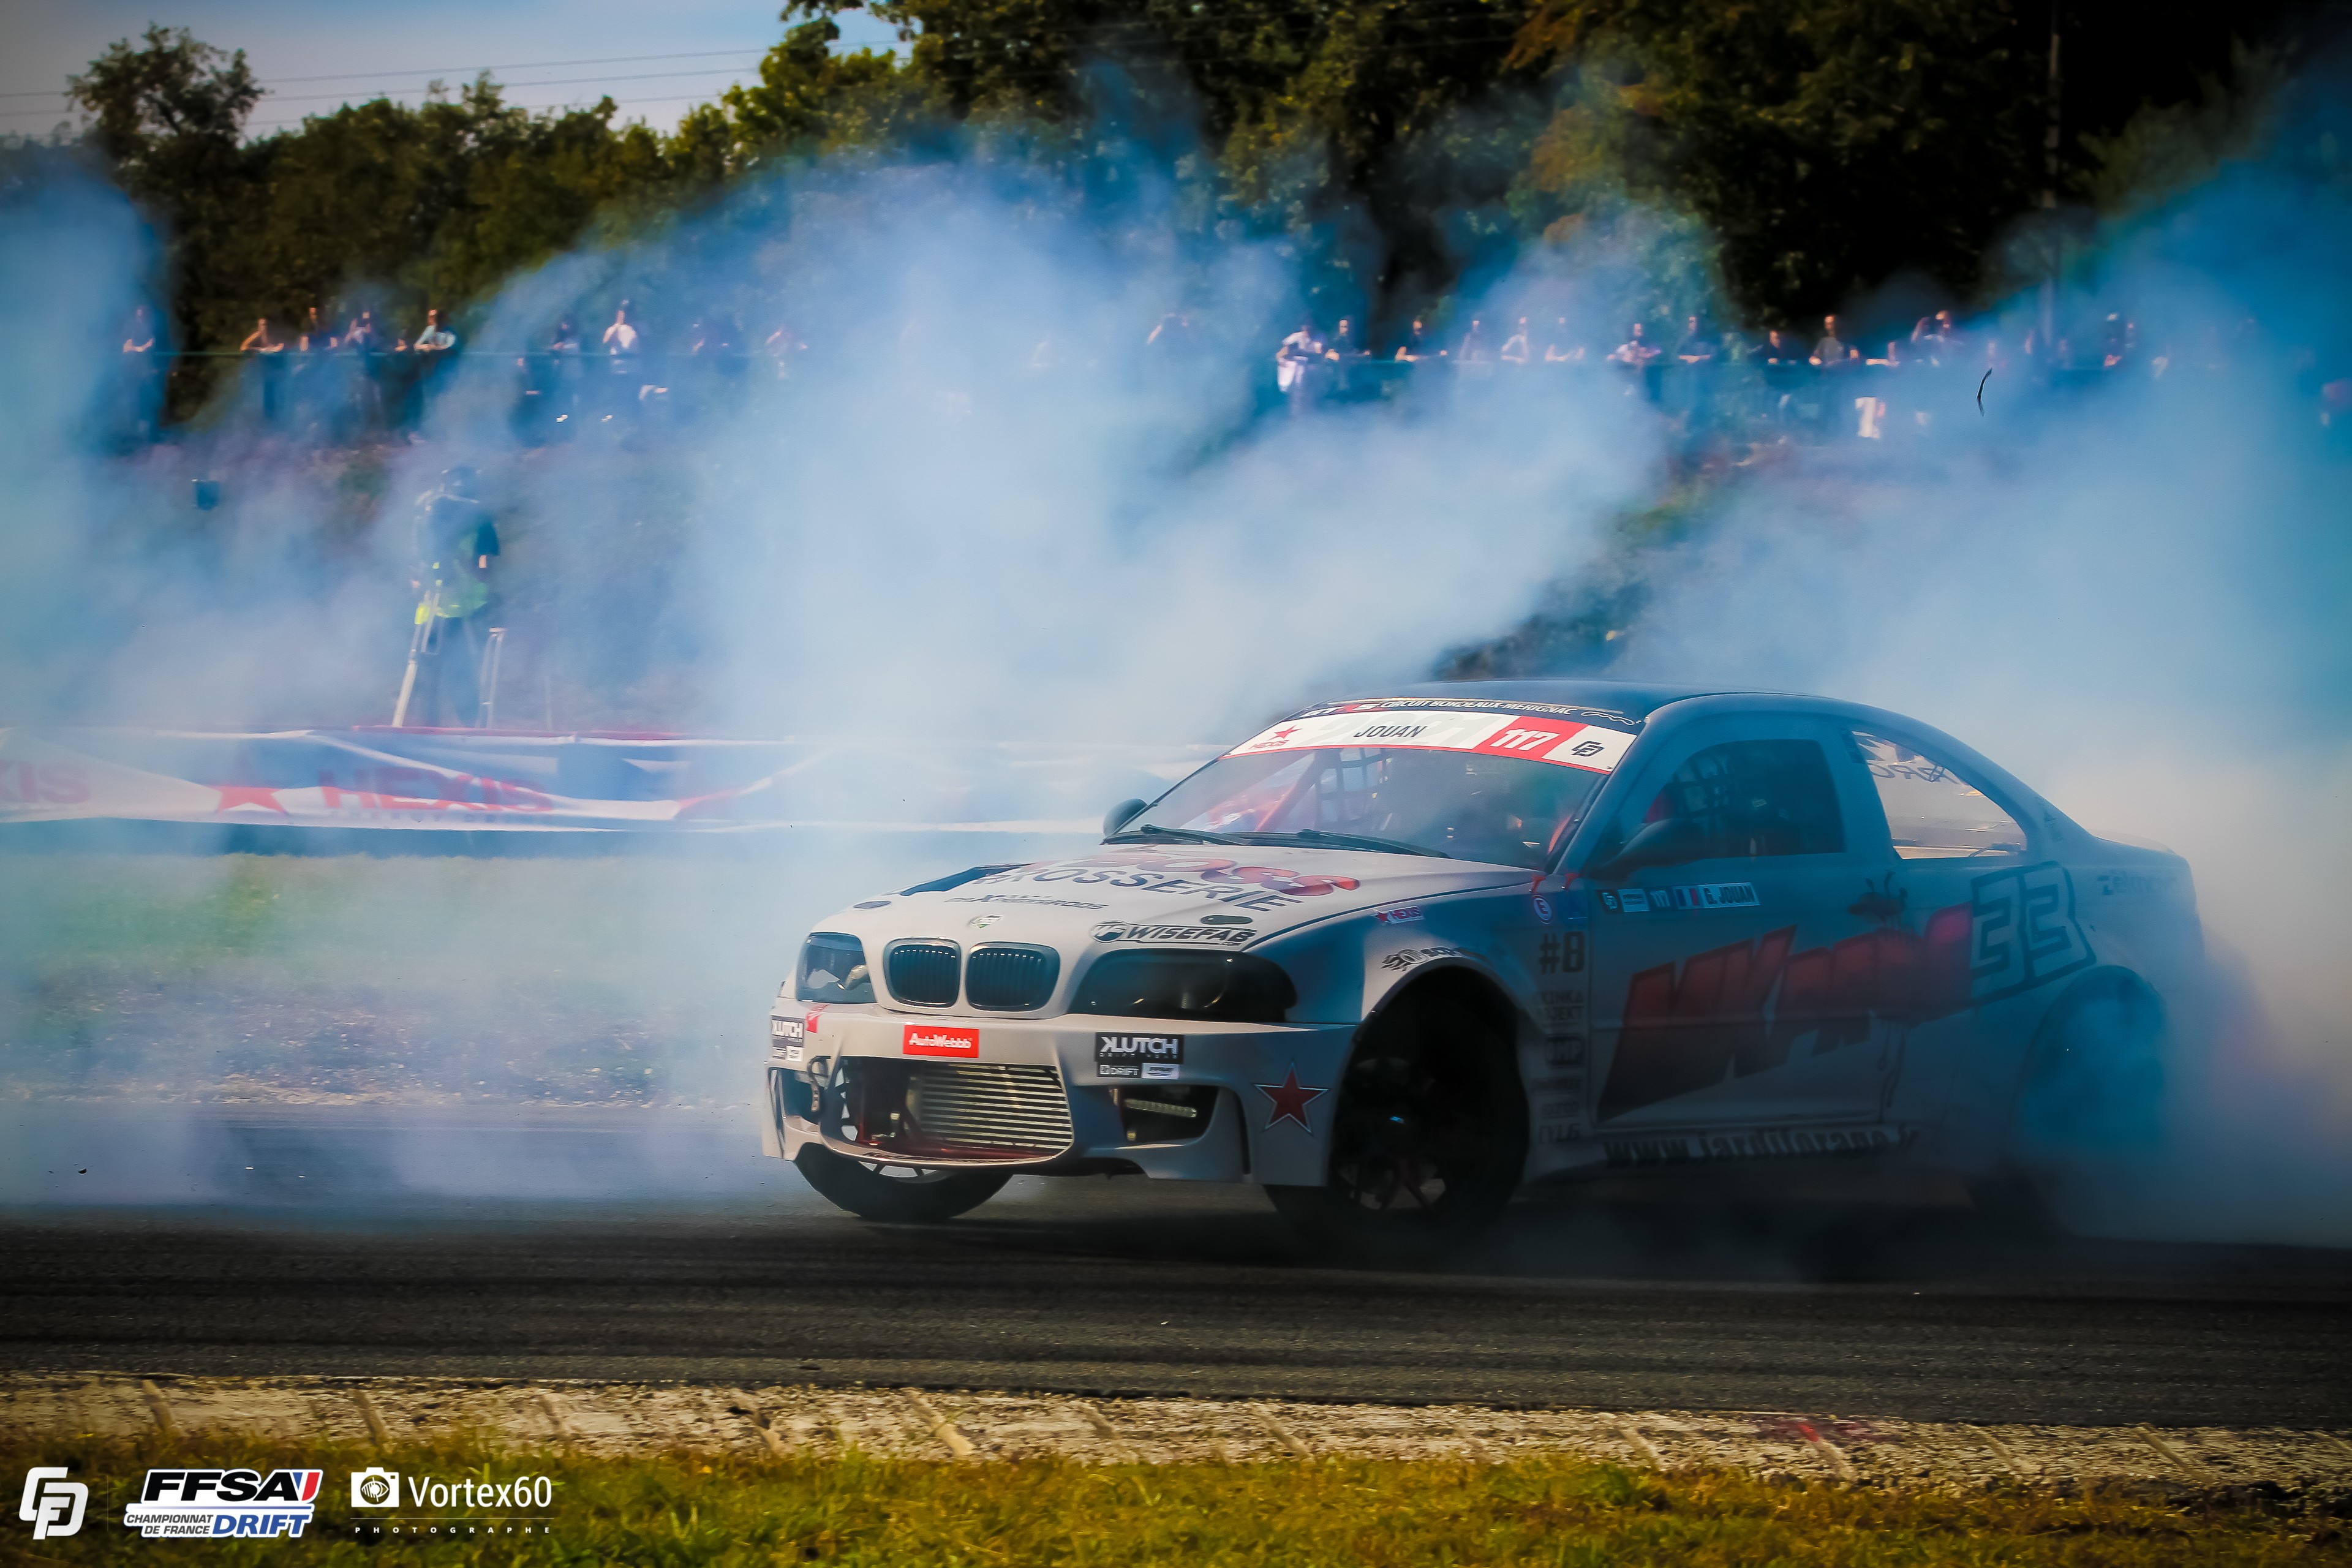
(1746, 798)
(1933, 812)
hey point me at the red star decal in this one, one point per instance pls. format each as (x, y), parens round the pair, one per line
(234, 795)
(1290, 1101)
(1283, 734)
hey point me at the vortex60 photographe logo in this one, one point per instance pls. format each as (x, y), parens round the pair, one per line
(471, 1505)
(53, 1505)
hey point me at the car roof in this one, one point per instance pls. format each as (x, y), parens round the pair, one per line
(1631, 701)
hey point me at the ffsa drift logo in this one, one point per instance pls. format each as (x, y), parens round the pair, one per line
(53, 1505)
(184, 1503)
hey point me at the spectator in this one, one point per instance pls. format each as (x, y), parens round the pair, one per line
(1474, 350)
(1697, 349)
(1830, 353)
(621, 341)
(436, 339)
(1344, 352)
(1635, 352)
(1294, 361)
(1170, 344)
(1416, 345)
(1639, 355)
(622, 344)
(564, 370)
(1562, 349)
(1693, 381)
(2121, 341)
(1515, 347)
(361, 341)
(142, 374)
(267, 382)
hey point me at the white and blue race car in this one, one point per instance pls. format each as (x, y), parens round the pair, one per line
(1397, 957)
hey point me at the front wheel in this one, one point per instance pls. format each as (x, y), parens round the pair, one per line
(896, 1195)
(1429, 1140)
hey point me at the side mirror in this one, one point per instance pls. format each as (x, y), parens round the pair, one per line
(1119, 815)
(1667, 843)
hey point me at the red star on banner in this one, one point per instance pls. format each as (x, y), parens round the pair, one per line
(1283, 734)
(234, 795)
(1290, 1101)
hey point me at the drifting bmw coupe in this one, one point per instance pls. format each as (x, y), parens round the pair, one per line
(1397, 957)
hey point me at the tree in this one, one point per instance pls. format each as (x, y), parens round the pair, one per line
(169, 119)
(1825, 143)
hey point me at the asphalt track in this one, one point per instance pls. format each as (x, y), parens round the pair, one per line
(1124, 1288)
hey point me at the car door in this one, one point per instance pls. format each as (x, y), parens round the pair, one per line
(1974, 923)
(1729, 885)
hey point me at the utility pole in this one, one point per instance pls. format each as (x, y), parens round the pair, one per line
(2050, 193)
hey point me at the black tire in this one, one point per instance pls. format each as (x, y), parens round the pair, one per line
(2093, 1100)
(1429, 1140)
(896, 1195)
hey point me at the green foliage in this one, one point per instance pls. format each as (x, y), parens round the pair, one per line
(687, 1508)
(1793, 151)
(1825, 143)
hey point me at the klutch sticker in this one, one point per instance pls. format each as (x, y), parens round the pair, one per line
(1159, 1056)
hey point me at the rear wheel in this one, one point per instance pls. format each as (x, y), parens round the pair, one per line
(2093, 1096)
(1429, 1140)
(902, 1194)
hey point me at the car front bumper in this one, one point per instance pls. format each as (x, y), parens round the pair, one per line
(1243, 1102)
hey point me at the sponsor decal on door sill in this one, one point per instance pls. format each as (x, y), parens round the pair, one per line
(1754, 1143)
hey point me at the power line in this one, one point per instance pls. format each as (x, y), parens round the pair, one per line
(1035, 71)
(469, 71)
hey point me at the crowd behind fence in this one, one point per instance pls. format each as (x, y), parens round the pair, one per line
(1710, 384)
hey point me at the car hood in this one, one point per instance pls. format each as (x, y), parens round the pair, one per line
(1209, 896)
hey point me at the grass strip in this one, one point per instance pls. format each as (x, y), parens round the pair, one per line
(694, 1508)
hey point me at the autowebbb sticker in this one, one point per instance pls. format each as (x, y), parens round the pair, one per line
(1139, 1055)
(1716, 896)
(53, 1505)
(426, 1506)
(203, 1504)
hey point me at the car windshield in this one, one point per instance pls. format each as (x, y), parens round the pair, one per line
(1505, 811)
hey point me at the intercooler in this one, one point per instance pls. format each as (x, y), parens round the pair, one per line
(959, 1111)
(990, 1104)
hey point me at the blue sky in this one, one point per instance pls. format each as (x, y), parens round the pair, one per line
(655, 59)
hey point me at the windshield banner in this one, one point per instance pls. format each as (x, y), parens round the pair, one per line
(1537, 738)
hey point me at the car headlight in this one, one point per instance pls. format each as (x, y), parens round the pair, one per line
(833, 969)
(1215, 987)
